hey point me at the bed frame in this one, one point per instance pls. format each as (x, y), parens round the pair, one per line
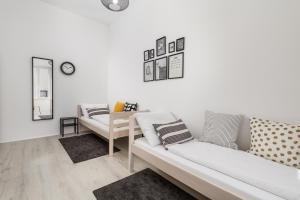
(111, 134)
(168, 166)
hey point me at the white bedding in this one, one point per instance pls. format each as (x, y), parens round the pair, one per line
(105, 119)
(102, 125)
(245, 190)
(266, 175)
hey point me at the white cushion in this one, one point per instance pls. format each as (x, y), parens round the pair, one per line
(146, 121)
(85, 106)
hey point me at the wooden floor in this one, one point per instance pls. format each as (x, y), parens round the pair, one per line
(40, 169)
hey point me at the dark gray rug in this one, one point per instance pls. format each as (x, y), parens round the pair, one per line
(85, 147)
(144, 185)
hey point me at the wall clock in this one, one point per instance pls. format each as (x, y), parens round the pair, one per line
(67, 68)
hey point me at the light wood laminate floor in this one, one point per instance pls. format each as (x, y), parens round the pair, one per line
(40, 169)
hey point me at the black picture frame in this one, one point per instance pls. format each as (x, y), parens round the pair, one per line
(170, 66)
(146, 55)
(164, 76)
(32, 89)
(145, 70)
(180, 44)
(171, 47)
(67, 63)
(161, 44)
(151, 53)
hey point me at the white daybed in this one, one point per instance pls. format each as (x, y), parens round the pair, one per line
(210, 182)
(112, 126)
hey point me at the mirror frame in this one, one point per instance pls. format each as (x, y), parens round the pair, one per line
(32, 89)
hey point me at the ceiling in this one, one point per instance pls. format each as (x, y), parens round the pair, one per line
(89, 8)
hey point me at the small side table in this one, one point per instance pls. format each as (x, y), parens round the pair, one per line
(68, 121)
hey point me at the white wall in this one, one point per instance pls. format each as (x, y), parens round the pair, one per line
(240, 57)
(33, 28)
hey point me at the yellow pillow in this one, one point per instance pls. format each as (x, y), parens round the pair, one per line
(119, 106)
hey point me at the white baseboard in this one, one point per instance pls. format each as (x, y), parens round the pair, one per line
(82, 130)
(24, 139)
(44, 136)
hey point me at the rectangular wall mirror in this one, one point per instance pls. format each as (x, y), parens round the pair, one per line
(42, 89)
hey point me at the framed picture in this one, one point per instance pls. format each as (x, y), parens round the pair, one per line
(171, 47)
(180, 44)
(161, 68)
(149, 71)
(146, 55)
(176, 66)
(161, 46)
(151, 53)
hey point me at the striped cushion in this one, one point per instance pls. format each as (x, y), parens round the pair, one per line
(221, 129)
(173, 133)
(97, 111)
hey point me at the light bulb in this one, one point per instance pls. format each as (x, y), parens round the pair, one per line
(115, 5)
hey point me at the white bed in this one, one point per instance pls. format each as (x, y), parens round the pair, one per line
(227, 183)
(207, 181)
(111, 126)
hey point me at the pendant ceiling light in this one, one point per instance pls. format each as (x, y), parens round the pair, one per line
(115, 5)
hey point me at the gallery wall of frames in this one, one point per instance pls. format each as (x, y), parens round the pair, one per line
(160, 66)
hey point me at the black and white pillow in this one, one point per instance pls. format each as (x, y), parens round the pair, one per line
(130, 107)
(173, 133)
(97, 111)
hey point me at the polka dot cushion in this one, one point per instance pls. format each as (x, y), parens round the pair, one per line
(279, 142)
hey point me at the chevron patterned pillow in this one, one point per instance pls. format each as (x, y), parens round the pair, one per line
(221, 129)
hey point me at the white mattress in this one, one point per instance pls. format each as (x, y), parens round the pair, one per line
(275, 178)
(223, 181)
(101, 125)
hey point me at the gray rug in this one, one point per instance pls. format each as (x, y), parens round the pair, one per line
(85, 147)
(144, 185)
